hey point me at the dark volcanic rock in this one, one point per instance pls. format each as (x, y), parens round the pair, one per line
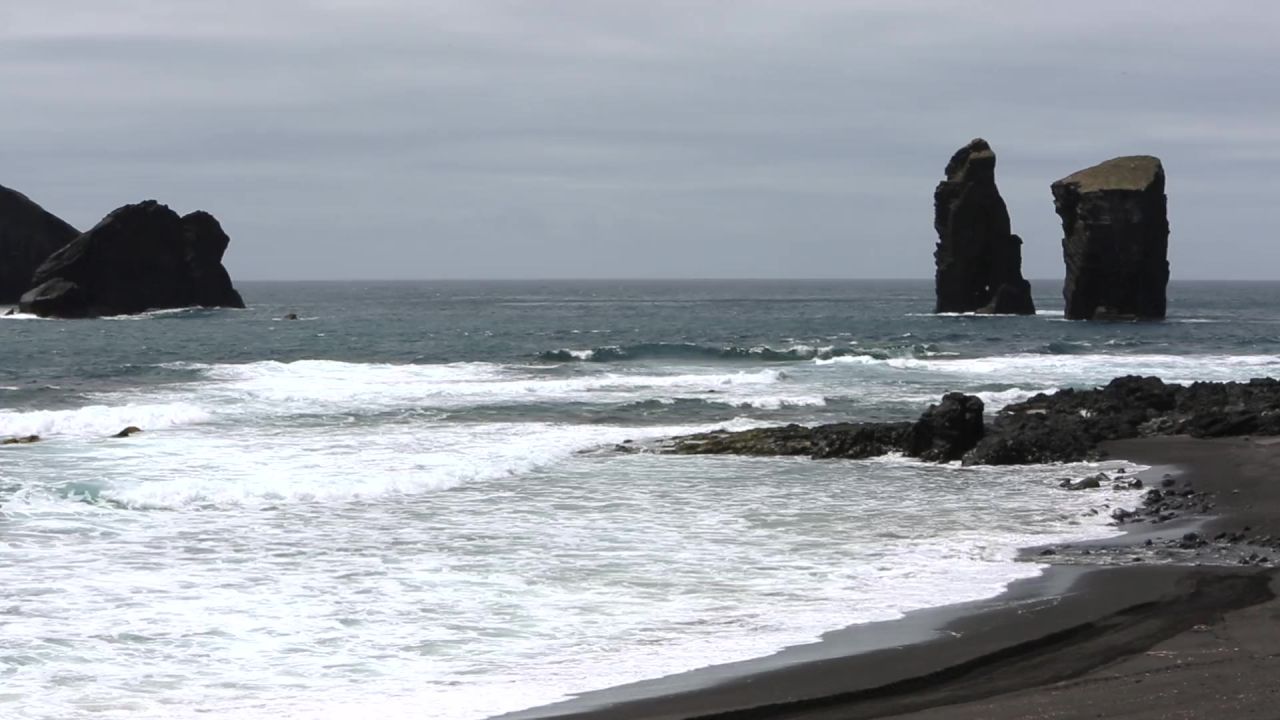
(28, 236)
(838, 440)
(946, 431)
(1066, 426)
(979, 261)
(140, 257)
(1116, 239)
(24, 440)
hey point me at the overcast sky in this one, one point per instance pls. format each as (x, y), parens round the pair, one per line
(655, 138)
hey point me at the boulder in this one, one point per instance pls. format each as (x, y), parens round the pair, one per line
(978, 260)
(1093, 482)
(28, 236)
(946, 431)
(1115, 239)
(140, 257)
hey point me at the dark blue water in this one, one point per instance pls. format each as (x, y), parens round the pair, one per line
(53, 364)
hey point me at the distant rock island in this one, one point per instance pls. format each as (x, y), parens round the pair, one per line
(140, 257)
(28, 235)
(978, 258)
(1116, 239)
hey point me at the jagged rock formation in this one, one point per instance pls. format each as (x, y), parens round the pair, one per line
(1066, 426)
(28, 235)
(1116, 239)
(978, 259)
(140, 257)
(944, 432)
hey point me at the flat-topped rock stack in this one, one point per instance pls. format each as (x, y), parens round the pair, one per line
(1116, 239)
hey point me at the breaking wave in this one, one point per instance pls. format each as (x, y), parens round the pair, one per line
(765, 353)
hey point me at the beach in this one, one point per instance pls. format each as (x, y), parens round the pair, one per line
(461, 509)
(1136, 634)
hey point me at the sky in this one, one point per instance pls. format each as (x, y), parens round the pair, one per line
(402, 139)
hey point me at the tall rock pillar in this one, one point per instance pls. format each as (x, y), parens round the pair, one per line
(1115, 239)
(978, 259)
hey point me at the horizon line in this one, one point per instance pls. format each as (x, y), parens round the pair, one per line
(687, 279)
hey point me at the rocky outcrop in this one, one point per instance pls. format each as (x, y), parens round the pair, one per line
(944, 432)
(24, 440)
(1066, 426)
(1069, 424)
(28, 236)
(978, 259)
(852, 441)
(140, 257)
(1116, 239)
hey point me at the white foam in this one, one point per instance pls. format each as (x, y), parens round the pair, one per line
(99, 420)
(1102, 367)
(996, 399)
(1053, 370)
(19, 316)
(323, 386)
(265, 466)
(777, 403)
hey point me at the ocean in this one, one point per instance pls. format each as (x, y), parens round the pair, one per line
(407, 502)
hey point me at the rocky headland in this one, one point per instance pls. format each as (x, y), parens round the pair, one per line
(140, 257)
(1066, 426)
(1116, 239)
(978, 259)
(28, 235)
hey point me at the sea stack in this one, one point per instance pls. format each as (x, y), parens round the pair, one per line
(979, 261)
(140, 257)
(1116, 239)
(28, 235)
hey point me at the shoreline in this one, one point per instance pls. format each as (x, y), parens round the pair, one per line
(1098, 603)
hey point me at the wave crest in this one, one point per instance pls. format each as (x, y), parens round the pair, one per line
(764, 353)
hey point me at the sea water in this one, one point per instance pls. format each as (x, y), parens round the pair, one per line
(406, 503)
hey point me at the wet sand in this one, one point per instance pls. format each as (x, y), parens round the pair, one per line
(1193, 636)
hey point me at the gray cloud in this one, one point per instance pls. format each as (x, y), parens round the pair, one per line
(642, 139)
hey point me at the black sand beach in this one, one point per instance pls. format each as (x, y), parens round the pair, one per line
(1127, 629)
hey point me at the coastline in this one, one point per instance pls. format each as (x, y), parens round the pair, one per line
(1099, 605)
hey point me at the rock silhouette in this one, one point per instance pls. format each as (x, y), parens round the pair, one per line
(978, 259)
(1116, 239)
(28, 236)
(1065, 426)
(140, 257)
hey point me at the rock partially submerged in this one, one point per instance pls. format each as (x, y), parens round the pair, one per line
(140, 257)
(28, 236)
(132, 429)
(23, 440)
(1116, 239)
(1066, 426)
(978, 258)
(944, 432)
